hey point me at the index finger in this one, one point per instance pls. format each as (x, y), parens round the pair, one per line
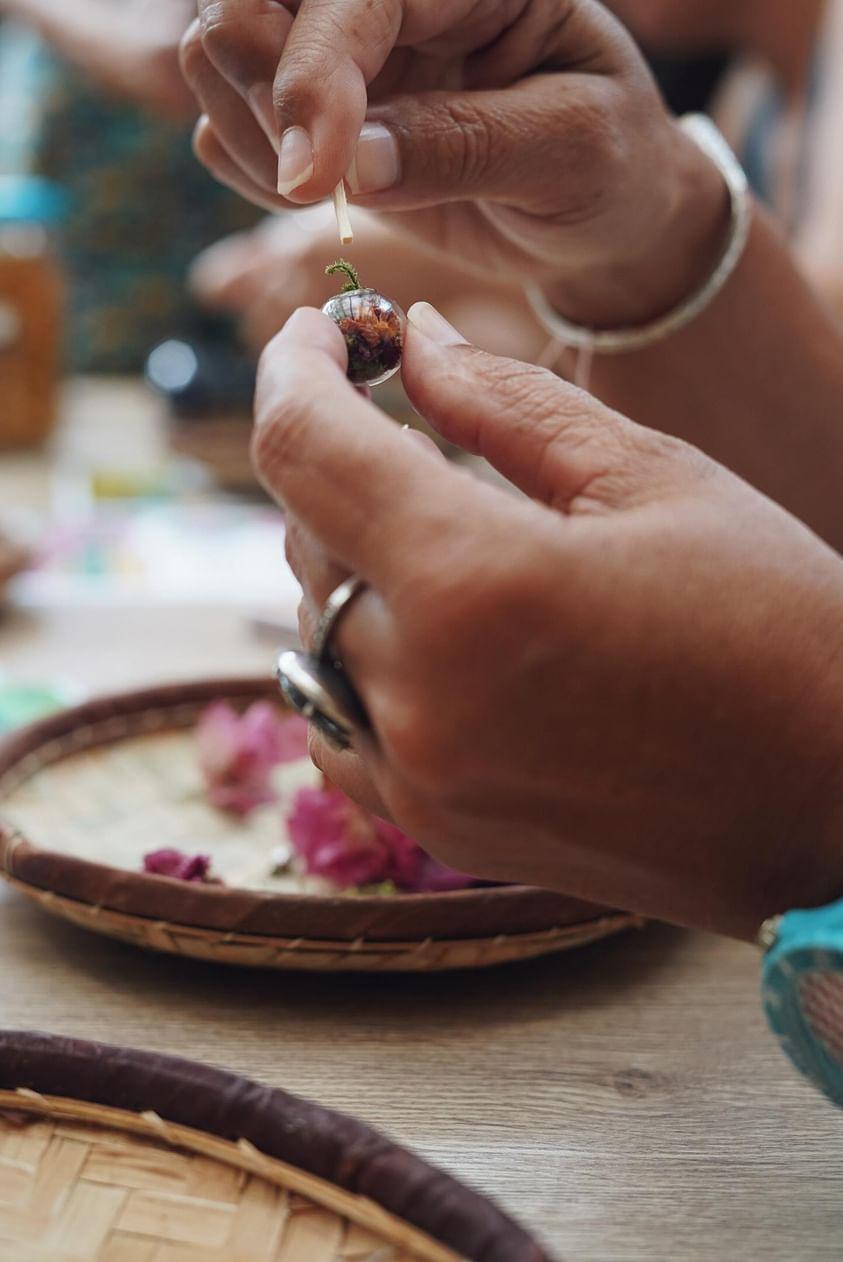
(348, 472)
(335, 50)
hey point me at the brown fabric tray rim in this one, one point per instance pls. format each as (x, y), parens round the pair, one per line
(328, 1145)
(610, 920)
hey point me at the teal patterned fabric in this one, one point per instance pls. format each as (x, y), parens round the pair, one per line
(802, 992)
(140, 206)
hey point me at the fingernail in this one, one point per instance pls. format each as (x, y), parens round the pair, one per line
(432, 324)
(263, 108)
(295, 160)
(376, 164)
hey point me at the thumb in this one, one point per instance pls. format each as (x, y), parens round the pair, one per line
(552, 440)
(505, 146)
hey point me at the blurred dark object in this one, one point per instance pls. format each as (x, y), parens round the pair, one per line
(14, 559)
(208, 389)
(202, 380)
(689, 83)
(30, 310)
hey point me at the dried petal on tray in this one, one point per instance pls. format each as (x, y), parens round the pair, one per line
(237, 753)
(180, 866)
(337, 839)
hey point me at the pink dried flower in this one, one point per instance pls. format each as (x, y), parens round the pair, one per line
(238, 752)
(180, 866)
(339, 840)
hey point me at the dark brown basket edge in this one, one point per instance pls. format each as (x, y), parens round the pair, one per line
(324, 1143)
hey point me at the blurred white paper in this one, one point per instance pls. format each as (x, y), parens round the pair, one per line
(168, 554)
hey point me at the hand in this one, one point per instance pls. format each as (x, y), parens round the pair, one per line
(146, 56)
(137, 53)
(132, 48)
(628, 686)
(524, 138)
(264, 275)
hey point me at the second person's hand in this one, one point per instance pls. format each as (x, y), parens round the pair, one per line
(525, 138)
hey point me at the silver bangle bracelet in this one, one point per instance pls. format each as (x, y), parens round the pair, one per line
(617, 341)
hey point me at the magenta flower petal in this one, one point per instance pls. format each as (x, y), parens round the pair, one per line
(237, 753)
(337, 839)
(179, 866)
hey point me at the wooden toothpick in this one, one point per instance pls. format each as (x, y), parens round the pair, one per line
(341, 212)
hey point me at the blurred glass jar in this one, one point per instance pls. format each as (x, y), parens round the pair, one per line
(30, 309)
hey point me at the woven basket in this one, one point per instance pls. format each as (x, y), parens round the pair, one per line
(112, 1155)
(85, 792)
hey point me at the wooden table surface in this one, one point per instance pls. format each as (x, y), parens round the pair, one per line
(624, 1101)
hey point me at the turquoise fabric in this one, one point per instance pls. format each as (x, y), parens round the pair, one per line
(140, 207)
(807, 943)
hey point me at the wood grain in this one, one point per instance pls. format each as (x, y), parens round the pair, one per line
(626, 1101)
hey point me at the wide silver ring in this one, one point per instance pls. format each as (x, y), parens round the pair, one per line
(320, 691)
(333, 609)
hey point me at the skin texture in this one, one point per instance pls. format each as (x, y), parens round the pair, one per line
(636, 671)
(130, 48)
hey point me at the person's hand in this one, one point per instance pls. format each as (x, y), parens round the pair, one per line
(525, 139)
(146, 56)
(138, 54)
(627, 684)
(264, 275)
(130, 48)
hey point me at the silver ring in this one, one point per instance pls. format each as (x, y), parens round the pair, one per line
(333, 609)
(320, 691)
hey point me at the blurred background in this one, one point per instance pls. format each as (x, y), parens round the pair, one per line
(136, 295)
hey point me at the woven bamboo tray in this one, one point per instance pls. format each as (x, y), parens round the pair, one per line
(84, 793)
(112, 1155)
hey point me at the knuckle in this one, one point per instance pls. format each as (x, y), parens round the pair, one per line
(464, 152)
(677, 461)
(306, 79)
(641, 464)
(230, 43)
(533, 394)
(592, 133)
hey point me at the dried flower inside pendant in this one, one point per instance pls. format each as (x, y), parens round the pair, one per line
(373, 328)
